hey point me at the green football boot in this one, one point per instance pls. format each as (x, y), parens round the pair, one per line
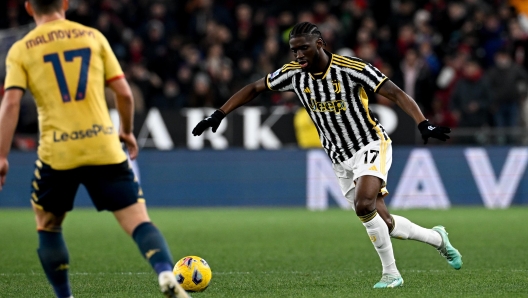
(389, 281)
(446, 250)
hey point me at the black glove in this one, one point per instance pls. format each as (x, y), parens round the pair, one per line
(212, 121)
(429, 130)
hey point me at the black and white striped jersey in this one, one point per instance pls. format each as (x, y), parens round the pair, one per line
(337, 102)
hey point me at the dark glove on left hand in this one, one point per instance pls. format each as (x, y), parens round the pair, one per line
(212, 121)
(429, 130)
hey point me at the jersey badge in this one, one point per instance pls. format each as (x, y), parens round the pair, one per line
(275, 73)
(337, 86)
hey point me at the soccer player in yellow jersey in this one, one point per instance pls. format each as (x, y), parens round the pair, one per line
(66, 65)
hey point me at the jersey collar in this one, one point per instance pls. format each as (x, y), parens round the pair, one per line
(322, 75)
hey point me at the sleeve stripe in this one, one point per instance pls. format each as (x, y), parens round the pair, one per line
(380, 84)
(349, 65)
(350, 61)
(289, 67)
(293, 64)
(15, 87)
(268, 82)
(115, 78)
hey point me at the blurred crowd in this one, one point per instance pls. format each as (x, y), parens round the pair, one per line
(465, 62)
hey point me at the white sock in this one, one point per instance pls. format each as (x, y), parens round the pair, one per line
(379, 235)
(405, 229)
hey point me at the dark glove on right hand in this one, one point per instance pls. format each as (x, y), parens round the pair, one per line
(212, 121)
(429, 130)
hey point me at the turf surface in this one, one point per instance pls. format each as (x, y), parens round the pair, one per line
(275, 253)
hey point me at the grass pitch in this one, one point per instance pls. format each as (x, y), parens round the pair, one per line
(275, 253)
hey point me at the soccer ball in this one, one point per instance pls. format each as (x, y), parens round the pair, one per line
(193, 273)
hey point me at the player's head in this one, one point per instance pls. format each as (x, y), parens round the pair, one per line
(46, 7)
(306, 43)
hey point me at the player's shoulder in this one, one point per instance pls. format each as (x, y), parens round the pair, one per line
(291, 66)
(287, 69)
(17, 49)
(348, 62)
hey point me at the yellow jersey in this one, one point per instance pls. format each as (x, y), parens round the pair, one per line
(66, 65)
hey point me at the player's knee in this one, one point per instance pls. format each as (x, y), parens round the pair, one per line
(50, 224)
(364, 205)
(48, 221)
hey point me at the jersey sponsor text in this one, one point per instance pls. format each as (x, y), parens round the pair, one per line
(94, 131)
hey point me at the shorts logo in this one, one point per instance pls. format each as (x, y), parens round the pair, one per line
(335, 106)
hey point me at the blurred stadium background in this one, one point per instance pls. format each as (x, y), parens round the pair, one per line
(464, 62)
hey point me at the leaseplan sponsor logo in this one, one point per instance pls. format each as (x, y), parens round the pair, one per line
(91, 132)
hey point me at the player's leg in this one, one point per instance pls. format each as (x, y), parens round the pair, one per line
(369, 174)
(52, 250)
(116, 189)
(52, 196)
(135, 221)
(402, 228)
(151, 243)
(366, 193)
(372, 221)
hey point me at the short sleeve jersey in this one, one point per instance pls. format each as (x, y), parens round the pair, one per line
(66, 65)
(337, 102)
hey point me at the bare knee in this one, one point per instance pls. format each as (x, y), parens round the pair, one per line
(364, 205)
(132, 216)
(367, 190)
(48, 221)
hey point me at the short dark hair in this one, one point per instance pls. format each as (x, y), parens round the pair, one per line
(306, 29)
(46, 6)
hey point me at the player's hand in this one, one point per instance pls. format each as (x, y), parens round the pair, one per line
(429, 130)
(212, 121)
(131, 144)
(4, 168)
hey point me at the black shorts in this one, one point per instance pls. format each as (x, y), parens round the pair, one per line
(111, 187)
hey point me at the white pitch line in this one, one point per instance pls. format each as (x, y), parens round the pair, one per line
(268, 272)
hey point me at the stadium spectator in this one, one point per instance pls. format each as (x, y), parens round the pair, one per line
(224, 85)
(417, 80)
(202, 94)
(508, 82)
(471, 98)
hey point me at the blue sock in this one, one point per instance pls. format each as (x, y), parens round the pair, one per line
(54, 258)
(153, 247)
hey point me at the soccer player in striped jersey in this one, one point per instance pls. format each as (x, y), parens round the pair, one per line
(66, 65)
(333, 89)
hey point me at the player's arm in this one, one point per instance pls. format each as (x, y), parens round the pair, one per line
(115, 79)
(9, 111)
(409, 106)
(243, 96)
(125, 107)
(404, 101)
